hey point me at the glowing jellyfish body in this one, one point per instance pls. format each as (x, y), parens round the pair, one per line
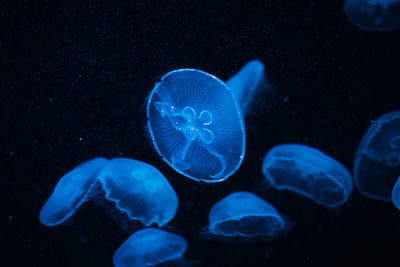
(396, 194)
(149, 247)
(196, 125)
(374, 15)
(246, 82)
(244, 214)
(377, 160)
(139, 190)
(309, 172)
(70, 192)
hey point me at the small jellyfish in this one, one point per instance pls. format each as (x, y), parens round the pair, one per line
(374, 15)
(246, 82)
(377, 159)
(196, 125)
(244, 214)
(70, 192)
(139, 190)
(396, 194)
(309, 172)
(149, 247)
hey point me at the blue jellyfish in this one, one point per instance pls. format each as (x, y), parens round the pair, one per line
(377, 160)
(396, 194)
(244, 214)
(149, 247)
(309, 172)
(138, 190)
(196, 125)
(246, 82)
(374, 15)
(70, 192)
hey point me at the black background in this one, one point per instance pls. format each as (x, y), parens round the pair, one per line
(74, 78)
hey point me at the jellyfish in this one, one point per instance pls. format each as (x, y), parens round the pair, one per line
(149, 247)
(377, 159)
(374, 15)
(308, 172)
(246, 82)
(196, 125)
(138, 190)
(246, 215)
(70, 192)
(396, 194)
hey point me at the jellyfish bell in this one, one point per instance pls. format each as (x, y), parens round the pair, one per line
(248, 84)
(396, 194)
(139, 191)
(196, 125)
(376, 164)
(150, 247)
(308, 172)
(243, 214)
(70, 192)
(374, 15)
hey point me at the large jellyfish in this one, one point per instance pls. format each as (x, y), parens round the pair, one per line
(70, 192)
(374, 15)
(139, 190)
(196, 125)
(377, 160)
(246, 82)
(149, 247)
(309, 172)
(396, 194)
(244, 214)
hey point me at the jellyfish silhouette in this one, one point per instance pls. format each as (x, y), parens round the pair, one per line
(149, 247)
(374, 15)
(70, 192)
(309, 172)
(396, 194)
(196, 125)
(138, 190)
(244, 214)
(377, 159)
(245, 84)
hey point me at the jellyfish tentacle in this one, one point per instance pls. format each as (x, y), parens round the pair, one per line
(216, 155)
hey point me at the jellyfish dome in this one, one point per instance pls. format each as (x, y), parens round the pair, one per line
(377, 159)
(70, 192)
(245, 83)
(139, 190)
(149, 247)
(309, 172)
(374, 15)
(396, 194)
(244, 214)
(196, 125)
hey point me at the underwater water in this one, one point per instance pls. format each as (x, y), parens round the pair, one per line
(75, 81)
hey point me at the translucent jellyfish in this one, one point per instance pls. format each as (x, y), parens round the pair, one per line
(149, 247)
(139, 190)
(374, 15)
(309, 172)
(246, 82)
(244, 214)
(396, 194)
(377, 160)
(196, 125)
(70, 192)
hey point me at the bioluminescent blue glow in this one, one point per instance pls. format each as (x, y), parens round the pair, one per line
(246, 82)
(374, 15)
(149, 247)
(309, 172)
(396, 194)
(244, 214)
(70, 192)
(196, 125)
(377, 160)
(139, 190)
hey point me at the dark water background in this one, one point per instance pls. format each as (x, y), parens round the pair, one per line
(74, 77)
